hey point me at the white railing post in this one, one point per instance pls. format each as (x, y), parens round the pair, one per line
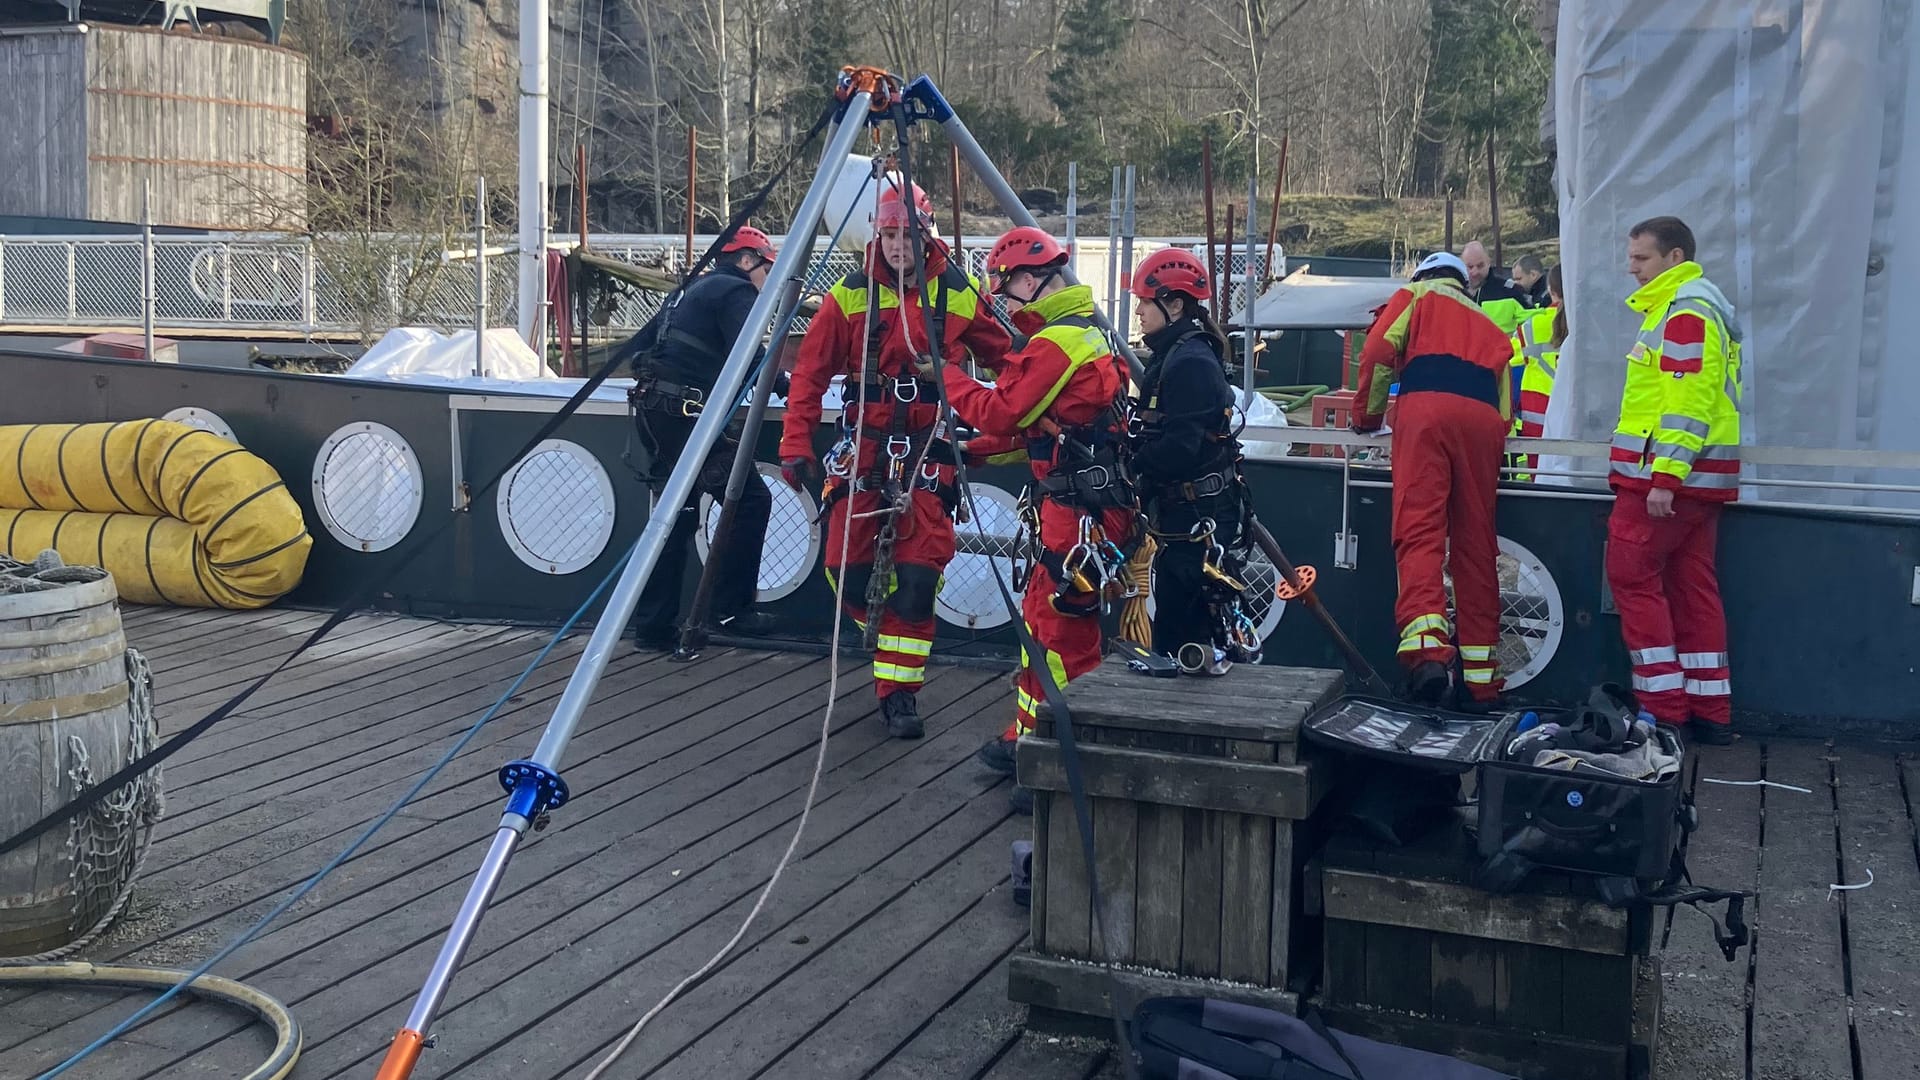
(309, 286)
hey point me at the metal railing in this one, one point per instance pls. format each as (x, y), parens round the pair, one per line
(328, 285)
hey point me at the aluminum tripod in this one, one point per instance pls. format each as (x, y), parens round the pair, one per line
(534, 784)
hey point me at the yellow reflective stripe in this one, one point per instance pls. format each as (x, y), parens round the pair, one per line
(1054, 664)
(1482, 653)
(1417, 642)
(910, 646)
(1423, 623)
(1477, 675)
(1026, 704)
(899, 673)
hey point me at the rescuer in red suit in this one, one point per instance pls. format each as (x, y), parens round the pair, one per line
(1057, 401)
(1454, 410)
(880, 315)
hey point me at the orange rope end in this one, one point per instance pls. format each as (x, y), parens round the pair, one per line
(402, 1056)
(1286, 591)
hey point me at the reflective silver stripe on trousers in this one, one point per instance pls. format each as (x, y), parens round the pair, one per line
(1709, 688)
(1653, 684)
(1695, 661)
(1663, 654)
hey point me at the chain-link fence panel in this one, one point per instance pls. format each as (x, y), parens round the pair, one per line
(39, 280)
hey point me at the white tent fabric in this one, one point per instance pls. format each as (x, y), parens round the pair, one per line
(1306, 301)
(1777, 129)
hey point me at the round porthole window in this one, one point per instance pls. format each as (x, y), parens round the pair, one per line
(792, 546)
(983, 548)
(1532, 616)
(204, 419)
(367, 486)
(556, 508)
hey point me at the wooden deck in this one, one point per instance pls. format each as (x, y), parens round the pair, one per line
(881, 954)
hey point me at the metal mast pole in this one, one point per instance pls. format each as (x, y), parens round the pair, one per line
(1125, 322)
(480, 275)
(533, 175)
(534, 785)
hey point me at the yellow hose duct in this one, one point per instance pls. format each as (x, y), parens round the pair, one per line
(176, 514)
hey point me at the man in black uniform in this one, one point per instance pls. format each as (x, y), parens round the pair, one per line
(1184, 456)
(675, 361)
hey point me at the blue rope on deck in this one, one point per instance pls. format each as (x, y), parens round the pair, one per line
(377, 824)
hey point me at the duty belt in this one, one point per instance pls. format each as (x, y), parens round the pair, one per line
(659, 395)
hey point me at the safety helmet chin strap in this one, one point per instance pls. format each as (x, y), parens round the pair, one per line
(1042, 280)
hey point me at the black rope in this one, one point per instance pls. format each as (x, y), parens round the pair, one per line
(372, 586)
(1050, 689)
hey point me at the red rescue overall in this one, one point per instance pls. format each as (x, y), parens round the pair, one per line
(1449, 440)
(1065, 380)
(900, 417)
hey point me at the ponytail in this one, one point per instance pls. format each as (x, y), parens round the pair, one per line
(1198, 312)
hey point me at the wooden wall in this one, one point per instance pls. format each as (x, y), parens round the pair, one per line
(218, 126)
(43, 129)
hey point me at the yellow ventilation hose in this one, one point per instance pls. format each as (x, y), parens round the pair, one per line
(176, 514)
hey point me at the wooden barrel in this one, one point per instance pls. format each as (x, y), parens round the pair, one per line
(64, 724)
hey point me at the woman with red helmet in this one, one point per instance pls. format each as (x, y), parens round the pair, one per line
(1186, 460)
(875, 326)
(1058, 400)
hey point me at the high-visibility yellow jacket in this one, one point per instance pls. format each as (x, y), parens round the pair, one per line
(1680, 413)
(1537, 359)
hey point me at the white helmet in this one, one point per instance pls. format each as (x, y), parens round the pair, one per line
(1440, 260)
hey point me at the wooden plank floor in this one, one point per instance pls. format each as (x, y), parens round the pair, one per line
(882, 951)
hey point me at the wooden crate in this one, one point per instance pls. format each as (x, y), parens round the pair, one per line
(1199, 789)
(1544, 983)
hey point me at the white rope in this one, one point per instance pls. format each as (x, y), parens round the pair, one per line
(819, 757)
(1757, 783)
(1831, 889)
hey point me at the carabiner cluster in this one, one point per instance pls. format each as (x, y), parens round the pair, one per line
(1095, 565)
(1227, 597)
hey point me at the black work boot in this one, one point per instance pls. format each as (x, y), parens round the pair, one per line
(1427, 683)
(997, 755)
(902, 714)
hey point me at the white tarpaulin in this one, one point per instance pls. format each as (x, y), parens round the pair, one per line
(1304, 301)
(1779, 131)
(413, 351)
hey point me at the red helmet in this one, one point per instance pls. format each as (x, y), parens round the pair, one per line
(748, 238)
(892, 211)
(1024, 248)
(1170, 270)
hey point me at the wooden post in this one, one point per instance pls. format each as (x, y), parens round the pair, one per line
(1493, 202)
(1448, 242)
(1206, 185)
(1273, 219)
(693, 174)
